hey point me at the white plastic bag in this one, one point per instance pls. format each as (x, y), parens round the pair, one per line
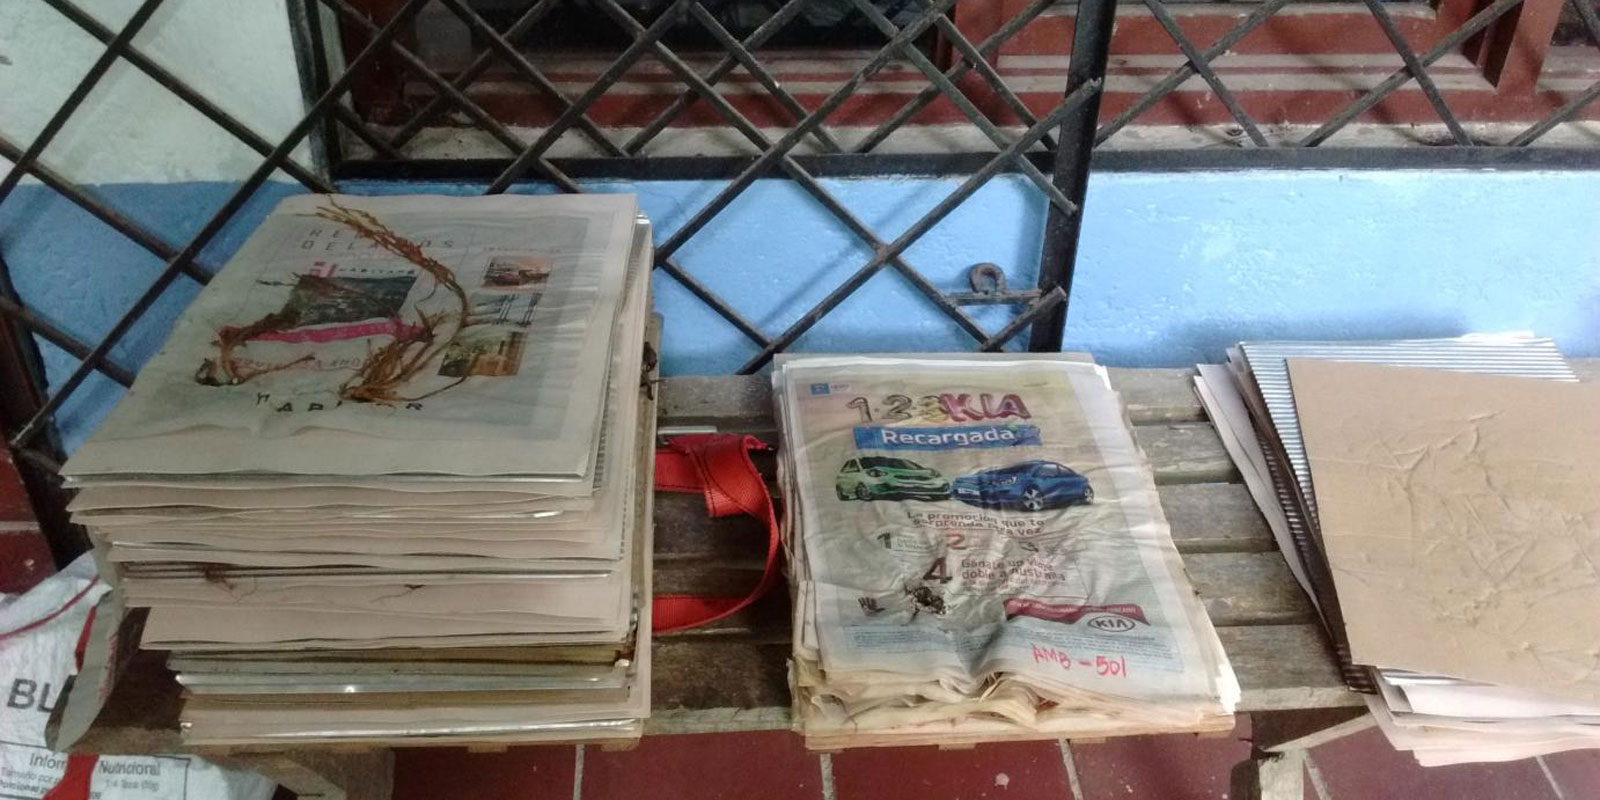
(39, 632)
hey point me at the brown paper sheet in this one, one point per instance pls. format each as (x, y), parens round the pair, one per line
(1461, 518)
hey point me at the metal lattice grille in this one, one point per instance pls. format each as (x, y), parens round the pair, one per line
(1049, 147)
(31, 434)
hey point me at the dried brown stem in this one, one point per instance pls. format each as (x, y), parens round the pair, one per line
(396, 363)
(386, 368)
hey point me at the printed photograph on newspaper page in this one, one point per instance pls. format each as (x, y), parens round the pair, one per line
(967, 517)
(402, 317)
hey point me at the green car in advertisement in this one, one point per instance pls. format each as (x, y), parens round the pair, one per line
(874, 477)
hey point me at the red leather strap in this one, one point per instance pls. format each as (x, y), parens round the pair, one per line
(719, 466)
(77, 780)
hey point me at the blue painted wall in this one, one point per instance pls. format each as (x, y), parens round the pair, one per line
(1173, 267)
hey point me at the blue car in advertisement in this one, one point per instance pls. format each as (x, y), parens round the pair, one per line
(1029, 485)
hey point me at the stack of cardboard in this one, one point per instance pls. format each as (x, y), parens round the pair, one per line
(977, 553)
(1440, 501)
(389, 478)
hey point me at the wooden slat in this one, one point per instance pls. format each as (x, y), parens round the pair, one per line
(1207, 510)
(1186, 452)
(685, 533)
(1236, 588)
(1205, 518)
(1284, 667)
(1248, 589)
(745, 401)
(733, 401)
(709, 579)
(1158, 395)
(700, 673)
(1215, 517)
(1280, 667)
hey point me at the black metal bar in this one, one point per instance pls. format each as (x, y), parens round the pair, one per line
(758, 37)
(1398, 78)
(795, 134)
(1071, 104)
(1560, 115)
(23, 376)
(1158, 9)
(212, 227)
(97, 70)
(1035, 310)
(52, 468)
(1164, 87)
(1233, 159)
(986, 48)
(798, 174)
(197, 101)
(114, 219)
(527, 69)
(697, 85)
(612, 74)
(760, 73)
(794, 170)
(1058, 254)
(1424, 81)
(710, 298)
(332, 148)
(12, 307)
(675, 167)
(567, 184)
(358, 126)
(1591, 25)
(959, 98)
(1016, 297)
(957, 165)
(463, 79)
(717, 304)
(11, 304)
(486, 122)
(972, 56)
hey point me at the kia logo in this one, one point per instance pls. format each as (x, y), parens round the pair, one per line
(1111, 624)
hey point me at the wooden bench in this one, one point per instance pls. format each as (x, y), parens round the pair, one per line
(731, 676)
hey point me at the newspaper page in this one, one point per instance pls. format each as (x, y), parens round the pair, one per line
(962, 518)
(403, 318)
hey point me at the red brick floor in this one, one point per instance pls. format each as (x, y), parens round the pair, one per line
(1169, 767)
(773, 766)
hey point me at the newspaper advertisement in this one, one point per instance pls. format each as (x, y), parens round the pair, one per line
(401, 317)
(967, 517)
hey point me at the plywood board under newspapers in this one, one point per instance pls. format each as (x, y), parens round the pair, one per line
(972, 732)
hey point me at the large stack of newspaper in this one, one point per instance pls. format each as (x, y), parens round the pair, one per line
(1438, 500)
(978, 553)
(388, 478)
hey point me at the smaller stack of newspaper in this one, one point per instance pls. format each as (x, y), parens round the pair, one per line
(389, 478)
(1438, 501)
(978, 553)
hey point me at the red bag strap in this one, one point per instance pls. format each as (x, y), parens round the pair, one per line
(718, 465)
(76, 782)
(48, 618)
